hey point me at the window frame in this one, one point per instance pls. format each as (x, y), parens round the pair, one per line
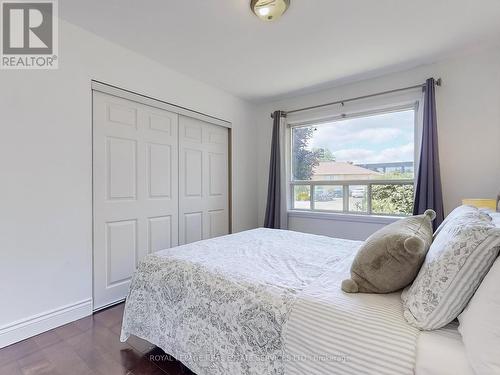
(412, 105)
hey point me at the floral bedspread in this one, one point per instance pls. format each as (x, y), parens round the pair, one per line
(220, 306)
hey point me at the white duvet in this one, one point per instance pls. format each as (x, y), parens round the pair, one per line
(266, 302)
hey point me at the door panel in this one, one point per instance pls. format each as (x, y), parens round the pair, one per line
(217, 174)
(217, 223)
(193, 229)
(121, 251)
(162, 123)
(160, 233)
(121, 168)
(122, 114)
(193, 173)
(159, 170)
(135, 172)
(203, 182)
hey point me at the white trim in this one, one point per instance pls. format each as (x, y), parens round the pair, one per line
(284, 198)
(146, 100)
(357, 114)
(357, 218)
(108, 305)
(343, 114)
(382, 103)
(36, 324)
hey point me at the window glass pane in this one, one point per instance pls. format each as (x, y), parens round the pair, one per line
(358, 196)
(302, 197)
(376, 147)
(392, 199)
(304, 159)
(328, 197)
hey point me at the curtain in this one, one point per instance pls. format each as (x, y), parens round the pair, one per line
(428, 191)
(276, 208)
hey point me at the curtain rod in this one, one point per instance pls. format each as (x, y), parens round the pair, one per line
(285, 113)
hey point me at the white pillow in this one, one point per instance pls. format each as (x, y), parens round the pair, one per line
(480, 325)
(459, 211)
(495, 217)
(458, 259)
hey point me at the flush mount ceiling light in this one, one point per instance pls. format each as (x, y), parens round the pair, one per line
(269, 10)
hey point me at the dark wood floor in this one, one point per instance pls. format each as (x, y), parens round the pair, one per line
(87, 347)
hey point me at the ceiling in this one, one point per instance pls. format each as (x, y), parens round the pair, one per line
(316, 43)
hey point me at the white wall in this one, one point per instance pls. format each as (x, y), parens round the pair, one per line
(45, 162)
(468, 106)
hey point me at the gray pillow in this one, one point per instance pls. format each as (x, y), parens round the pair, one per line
(390, 258)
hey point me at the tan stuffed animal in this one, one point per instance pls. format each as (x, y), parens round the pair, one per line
(390, 258)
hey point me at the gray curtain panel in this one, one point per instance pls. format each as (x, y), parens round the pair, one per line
(428, 191)
(274, 199)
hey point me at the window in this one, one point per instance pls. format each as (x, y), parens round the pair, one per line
(357, 165)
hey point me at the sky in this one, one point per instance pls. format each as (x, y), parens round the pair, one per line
(387, 137)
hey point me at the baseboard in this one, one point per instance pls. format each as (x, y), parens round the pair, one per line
(34, 325)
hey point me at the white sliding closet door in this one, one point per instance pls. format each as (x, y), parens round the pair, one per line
(203, 180)
(135, 171)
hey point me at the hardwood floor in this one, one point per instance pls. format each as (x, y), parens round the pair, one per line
(88, 346)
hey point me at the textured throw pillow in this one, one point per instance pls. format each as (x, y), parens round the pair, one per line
(459, 211)
(480, 325)
(390, 258)
(460, 256)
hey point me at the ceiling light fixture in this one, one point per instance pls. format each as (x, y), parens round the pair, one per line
(269, 10)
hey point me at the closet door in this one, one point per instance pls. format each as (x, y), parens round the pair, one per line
(203, 180)
(135, 172)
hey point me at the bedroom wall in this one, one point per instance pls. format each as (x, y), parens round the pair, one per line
(45, 161)
(469, 131)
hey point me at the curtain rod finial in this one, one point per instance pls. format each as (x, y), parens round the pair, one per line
(282, 113)
(439, 81)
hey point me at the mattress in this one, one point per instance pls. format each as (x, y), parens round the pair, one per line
(442, 352)
(267, 302)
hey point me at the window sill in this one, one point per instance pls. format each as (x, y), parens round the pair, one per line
(376, 219)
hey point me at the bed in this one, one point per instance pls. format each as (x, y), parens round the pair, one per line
(268, 302)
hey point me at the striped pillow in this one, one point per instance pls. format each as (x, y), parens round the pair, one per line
(459, 258)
